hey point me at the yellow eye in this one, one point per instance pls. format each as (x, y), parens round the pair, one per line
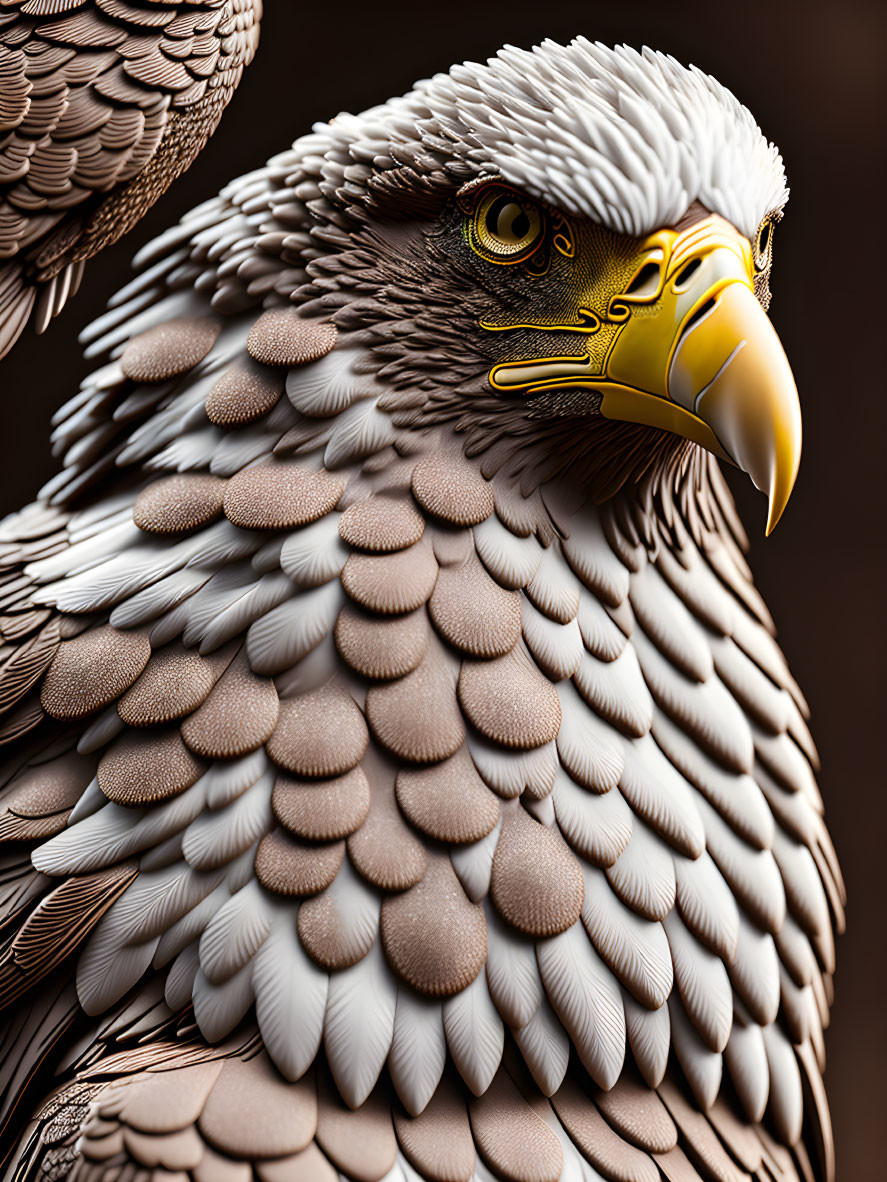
(506, 228)
(763, 249)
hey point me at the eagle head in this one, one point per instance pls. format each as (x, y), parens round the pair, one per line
(565, 241)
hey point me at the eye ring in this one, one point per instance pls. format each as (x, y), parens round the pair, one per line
(505, 227)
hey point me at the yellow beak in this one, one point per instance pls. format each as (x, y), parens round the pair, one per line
(695, 355)
(711, 366)
(729, 369)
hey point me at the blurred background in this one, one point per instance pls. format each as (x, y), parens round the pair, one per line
(813, 76)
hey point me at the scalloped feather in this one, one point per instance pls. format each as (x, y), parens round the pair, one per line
(556, 648)
(291, 998)
(586, 997)
(512, 973)
(786, 1101)
(359, 1024)
(661, 795)
(746, 1060)
(235, 934)
(635, 949)
(706, 710)
(643, 874)
(214, 839)
(669, 625)
(590, 749)
(545, 1046)
(510, 559)
(314, 555)
(418, 1049)
(751, 874)
(649, 1037)
(475, 1034)
(702, 1066)
(600, 635)
(289, 632)
(707, 905)
(736, 796)
(598, 827)
(702, 982)
(754, 972)
(615, 690)
(511, 772)
(589, 554)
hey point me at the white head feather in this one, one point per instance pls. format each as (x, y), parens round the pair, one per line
(628, 139)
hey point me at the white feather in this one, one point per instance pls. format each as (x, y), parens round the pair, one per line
(588, 553)
(315, 554)
(359, 1024)
(600, 635)
(512, 772)
(598, 827)
(589, 748)
(545, 1046)
(643, 874)
(218, 1008)
(511, 560)
(475, 1034)
(179, 986)
(707, 905)
(235, 933)
(418, 1049)
(358, 432)
(746, 1059)
(661, 795)
(702, 1066)
(188, 929)
(473, 863)
(215, 838)
(649, 1036)
(291, 998)
(702, 982)
(636, 949)
(616, 691)
(115, 832)
(557, 648)
(289, 632)
(754, 971)
(586, 997)
(512, 973)
(227, 779)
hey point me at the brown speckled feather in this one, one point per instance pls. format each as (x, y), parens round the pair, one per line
(103, 103)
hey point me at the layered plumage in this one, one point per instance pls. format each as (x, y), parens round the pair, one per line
(103, 103)
(403, 779)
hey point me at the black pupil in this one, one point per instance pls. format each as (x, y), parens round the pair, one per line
(765, 239)
(506, 219)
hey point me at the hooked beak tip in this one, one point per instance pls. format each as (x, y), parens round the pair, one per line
(780, 492)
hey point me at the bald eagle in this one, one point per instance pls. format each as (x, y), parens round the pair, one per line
(402, 779)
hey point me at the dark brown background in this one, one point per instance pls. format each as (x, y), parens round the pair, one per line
(812, 75)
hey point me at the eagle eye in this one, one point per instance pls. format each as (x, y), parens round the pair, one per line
(505, 227)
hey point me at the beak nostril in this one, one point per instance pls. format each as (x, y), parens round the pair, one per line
(687, 274)
(646, 282)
